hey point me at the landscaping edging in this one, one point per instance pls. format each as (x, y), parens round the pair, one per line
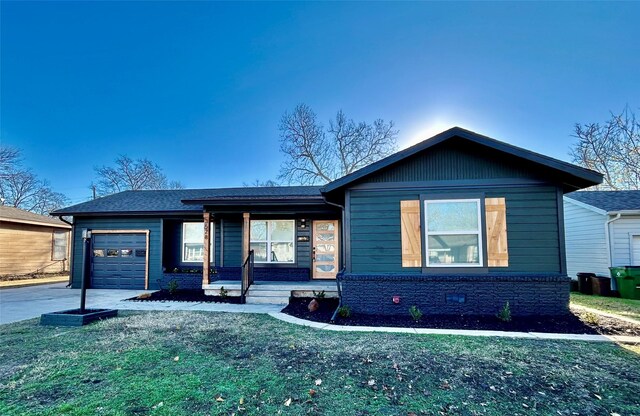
(461, 332)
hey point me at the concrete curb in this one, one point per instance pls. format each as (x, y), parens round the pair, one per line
(33, 282)
(462, 332)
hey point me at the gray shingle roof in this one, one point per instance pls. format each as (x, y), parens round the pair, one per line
(11, 214)
(172, 200)
(609, 200)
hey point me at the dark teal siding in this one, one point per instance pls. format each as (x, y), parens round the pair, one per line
(532, 228)
(457, 159)
(120, 223)
(232, 242)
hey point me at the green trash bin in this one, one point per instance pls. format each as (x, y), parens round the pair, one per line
(628, 281)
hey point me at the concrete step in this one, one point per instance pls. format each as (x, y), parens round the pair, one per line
(273, 300)
(216, 292)
(260, 292)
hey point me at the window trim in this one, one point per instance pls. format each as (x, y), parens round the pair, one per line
(268, 241)
(53, 245)
(212, 234)
(480, 232)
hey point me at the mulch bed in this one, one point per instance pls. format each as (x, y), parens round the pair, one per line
(570, 324)
(186, 296)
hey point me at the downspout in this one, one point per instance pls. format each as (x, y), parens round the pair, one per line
(607, 230)
(71, 248)
(342, 233)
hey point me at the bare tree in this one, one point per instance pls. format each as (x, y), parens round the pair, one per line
(259, 183)
(313, 155)
(612, 148)
(131, 175)
(21, 188)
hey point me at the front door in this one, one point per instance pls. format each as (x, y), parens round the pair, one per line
(325, 249)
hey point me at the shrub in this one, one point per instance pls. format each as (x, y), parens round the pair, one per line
(172, 286)
(591, 318)
(223, 292)
(505, 313)
(319, 295)
(416, 313)
(344, 311)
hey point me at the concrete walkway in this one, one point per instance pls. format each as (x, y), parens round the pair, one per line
(429, 331)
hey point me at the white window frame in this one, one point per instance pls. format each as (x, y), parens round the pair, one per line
(212, 234)
(53, 244)
(477, 232)
(269, 241)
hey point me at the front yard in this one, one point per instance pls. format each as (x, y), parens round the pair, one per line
(189, 363)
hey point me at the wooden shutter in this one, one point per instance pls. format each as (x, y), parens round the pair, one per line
(410, 232)
(496, 219)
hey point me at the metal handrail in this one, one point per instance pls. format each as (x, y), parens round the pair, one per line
(247, 276)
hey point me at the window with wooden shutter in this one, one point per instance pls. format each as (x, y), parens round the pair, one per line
(496, 219)
(410, 232)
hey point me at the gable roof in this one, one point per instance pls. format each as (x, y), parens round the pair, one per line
(187, 200)
(609, 201)
(581, 176)
(11, 214)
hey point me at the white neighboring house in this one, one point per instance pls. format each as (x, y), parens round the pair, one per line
(602, 230)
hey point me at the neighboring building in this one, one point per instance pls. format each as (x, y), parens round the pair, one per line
(460, 223)
(602, 230)
(32, 243)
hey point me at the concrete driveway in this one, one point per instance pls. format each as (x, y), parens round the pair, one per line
(21, 303)
(29, 302)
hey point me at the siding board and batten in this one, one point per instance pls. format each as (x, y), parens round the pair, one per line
(410, 233)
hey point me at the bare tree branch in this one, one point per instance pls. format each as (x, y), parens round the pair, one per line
(260, 183)
(134, 175)
(612, 148)
(21, 188)
(315, 156)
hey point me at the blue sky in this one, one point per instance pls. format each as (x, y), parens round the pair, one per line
(199, 88)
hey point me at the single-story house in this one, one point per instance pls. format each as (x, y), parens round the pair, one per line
(602, 230)
(459, 223)
(32, 243)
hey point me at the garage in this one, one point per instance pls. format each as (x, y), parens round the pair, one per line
(119, 260)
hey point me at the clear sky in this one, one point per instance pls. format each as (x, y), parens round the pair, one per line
(199, 88)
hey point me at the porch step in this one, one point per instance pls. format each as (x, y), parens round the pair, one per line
(273, 292)
(271, 300)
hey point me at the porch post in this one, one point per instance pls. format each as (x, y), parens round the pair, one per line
(207, 248)
(245, 235)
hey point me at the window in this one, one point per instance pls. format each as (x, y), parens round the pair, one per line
(193, 242)
(453, 235)
(272, 241)
(59, 245)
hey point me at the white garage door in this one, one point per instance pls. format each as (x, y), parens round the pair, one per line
(635, 250)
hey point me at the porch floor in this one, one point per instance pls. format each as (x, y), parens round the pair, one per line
(272, 291)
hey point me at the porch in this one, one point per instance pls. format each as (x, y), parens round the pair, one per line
(272, 292)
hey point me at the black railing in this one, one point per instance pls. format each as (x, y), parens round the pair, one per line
(247, 276)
